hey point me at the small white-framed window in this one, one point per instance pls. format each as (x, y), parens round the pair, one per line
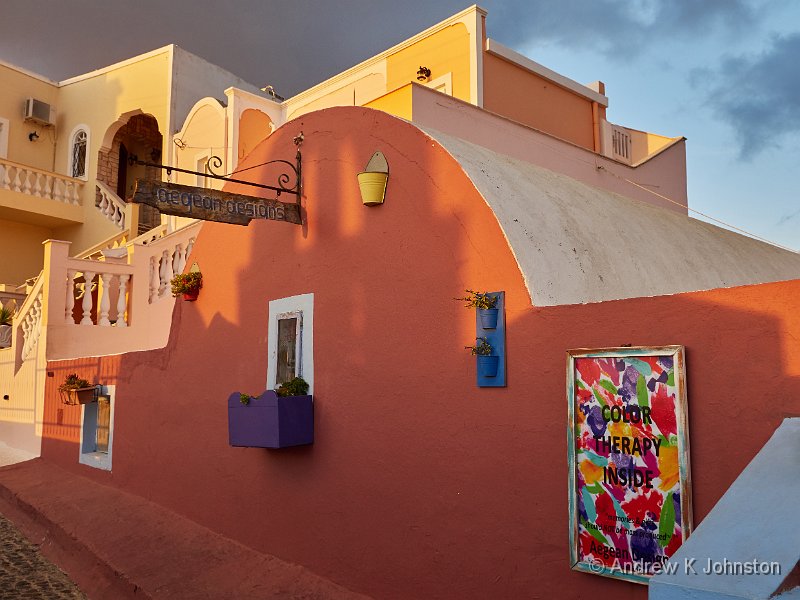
(79, 151)
(97, 430)
(290, 340)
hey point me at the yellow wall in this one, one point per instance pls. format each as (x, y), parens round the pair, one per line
(16, 88)
(446, 51)
(398, 103)
(203, 135)
(644, 144)
(99, 101)
(350, 92)
(21, 251)
(516, 93)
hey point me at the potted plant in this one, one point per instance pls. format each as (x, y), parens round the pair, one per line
(6, 318)
(486, 305)
(487, 364)
(76, 390)
(188, 284)
(276, 419)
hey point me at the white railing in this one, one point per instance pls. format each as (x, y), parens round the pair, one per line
(39, 183)
(100, 292)
(621, 143)
(96, 252)
(121, 239)
(28, 319)
(148, 237)
(111, 205)
(171, 260)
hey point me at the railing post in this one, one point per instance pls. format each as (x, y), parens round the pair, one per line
(103, 293)
(70, 297)
(54, 288)
(122, 301)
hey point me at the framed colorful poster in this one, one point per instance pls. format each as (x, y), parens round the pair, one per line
(630, 503)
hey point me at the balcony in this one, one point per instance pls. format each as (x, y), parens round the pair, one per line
(38, 197)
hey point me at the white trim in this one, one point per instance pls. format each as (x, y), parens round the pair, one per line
(476, 31)
(70, 148)
(303, 304)
(4, 125)
(124, 63)
(98, 460)
(24, 71)
(445, 81)
(500, 51)
(202, 156)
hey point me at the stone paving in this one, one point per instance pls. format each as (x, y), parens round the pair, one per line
(26, 575)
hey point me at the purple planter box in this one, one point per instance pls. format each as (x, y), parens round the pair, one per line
(270, 421)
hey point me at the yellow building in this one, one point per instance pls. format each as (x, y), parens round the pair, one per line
(455, 58)
(64, 147)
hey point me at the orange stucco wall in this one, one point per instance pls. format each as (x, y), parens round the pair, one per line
(254, 127)
(419, 484)
(513, 92)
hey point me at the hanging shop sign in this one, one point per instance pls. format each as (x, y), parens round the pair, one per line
(224, 207)
(212, 205)
(629, 483)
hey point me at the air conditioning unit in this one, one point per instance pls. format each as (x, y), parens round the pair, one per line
(39, 112)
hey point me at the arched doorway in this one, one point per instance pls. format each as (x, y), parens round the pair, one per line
(139, 137)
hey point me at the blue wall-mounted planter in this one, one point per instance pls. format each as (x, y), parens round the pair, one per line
(497, 339)
(270, 421)
(488, 317)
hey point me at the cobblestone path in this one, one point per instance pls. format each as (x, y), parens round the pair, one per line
(25, 574)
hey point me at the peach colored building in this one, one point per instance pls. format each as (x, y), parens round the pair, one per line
(419, 483)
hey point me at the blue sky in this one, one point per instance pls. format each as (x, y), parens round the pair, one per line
(732, 88)
(723, 73)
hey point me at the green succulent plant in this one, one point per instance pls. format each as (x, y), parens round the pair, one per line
(480, 300)
(481, 348)
(296, 387)
(6, 315)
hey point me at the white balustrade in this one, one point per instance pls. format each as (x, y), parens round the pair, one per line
(109, 281)
(70, 297)
(86, 304)
(110, 205)
(29, 317)
(621, 143)
(154, 279)
(172, 261)
(41, 184)
(122, 301)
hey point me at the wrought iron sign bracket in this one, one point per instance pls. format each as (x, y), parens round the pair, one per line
(215, 162)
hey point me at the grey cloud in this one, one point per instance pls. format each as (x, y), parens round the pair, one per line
(618, 28)
(293, 45)
(759, 96)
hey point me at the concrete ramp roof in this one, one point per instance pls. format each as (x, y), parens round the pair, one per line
(576, 244)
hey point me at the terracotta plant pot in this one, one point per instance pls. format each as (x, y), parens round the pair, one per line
(191, 296)
(79, 395)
